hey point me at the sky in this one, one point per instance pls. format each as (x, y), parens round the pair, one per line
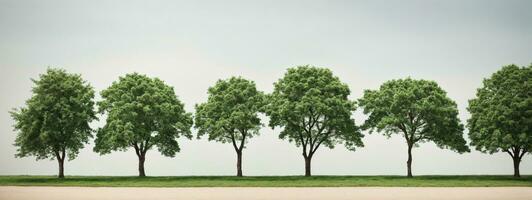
(192, 44)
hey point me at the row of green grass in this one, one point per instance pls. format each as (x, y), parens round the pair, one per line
(269, 181)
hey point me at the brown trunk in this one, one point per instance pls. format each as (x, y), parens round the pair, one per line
(239, 163)
(409, 162)
(61, 168)
(142, 158)
(517, 161)
(60, 157)
(307, 165)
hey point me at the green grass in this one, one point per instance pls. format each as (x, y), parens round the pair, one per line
(269, 181)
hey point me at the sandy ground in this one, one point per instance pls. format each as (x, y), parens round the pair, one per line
(366, 193)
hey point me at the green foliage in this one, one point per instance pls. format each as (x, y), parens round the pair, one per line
(501, 113)
(56, 118)
(231, 112)
(311, 105)
(417, 109)
(142, 113)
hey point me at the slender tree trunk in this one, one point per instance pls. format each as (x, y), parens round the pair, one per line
(308, 165)
(517, 161)
(61, 163)
(409, 162)
(239, 163)
(60, 157)
(142, 158)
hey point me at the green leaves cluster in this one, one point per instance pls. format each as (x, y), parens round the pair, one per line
(231, 112)
(311, 104)
(501, 113)
(142, 112)
(417, 109)
(55, 120)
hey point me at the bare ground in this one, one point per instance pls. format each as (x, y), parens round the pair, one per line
(232, 193)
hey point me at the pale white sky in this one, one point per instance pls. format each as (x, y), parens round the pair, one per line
(191, 44)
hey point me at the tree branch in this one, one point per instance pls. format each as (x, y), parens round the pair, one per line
(244, 134)
(58, 156)
(233, 141)
(146, 146)
(303, 143)
(516, 151)
(523, 153)
(509, 152)
(321, 141)
(63, 154)
(227, 130)
(137, 150)
(314, 146)
(407, 136)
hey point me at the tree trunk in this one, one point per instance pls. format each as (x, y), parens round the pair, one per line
(517, 161)
(409, 162)
(142, 158)
(307, 165)
(61, 167)
(239, 163)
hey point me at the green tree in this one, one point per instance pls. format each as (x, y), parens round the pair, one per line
(419, 110)
(55, 121)
(311, 105)
(142, 112)
(231, 114)
(501, 114)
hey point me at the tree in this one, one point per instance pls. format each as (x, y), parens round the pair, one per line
(312, 106)
(142, 112)
(230, 114)
(55, 121)
(419, 110)
(501, 114)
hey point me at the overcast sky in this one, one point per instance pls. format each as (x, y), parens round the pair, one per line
(190, 45)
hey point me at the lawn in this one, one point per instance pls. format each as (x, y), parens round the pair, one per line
(268, 181)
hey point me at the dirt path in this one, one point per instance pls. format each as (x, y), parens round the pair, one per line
(366, 193)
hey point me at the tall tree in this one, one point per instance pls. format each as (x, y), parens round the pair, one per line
(230, 114)
(501, 114)
(55, 121)
(311, 104)
(419, 110)
(142, 113)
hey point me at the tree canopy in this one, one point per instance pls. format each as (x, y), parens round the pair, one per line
(142, 113)
(311, 105)
(55, 121)
(501, 114)
(231, 114)
(419, 110)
